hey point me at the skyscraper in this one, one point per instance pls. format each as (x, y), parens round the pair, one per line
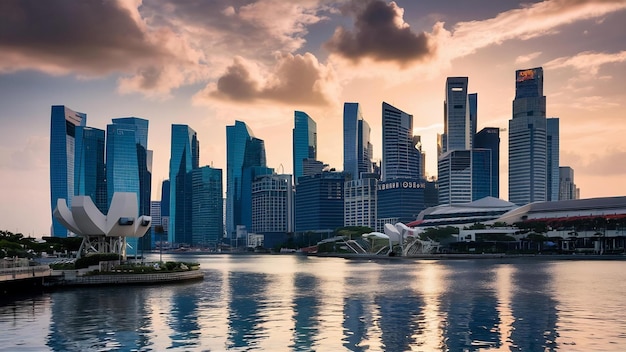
(567, 187)
(489, 138)
(304, 142)
(401, 156)
(527, 139)
(319, 202)
(272, 206)
(357, 149)
(129, 167)
(242, 150)
(184, 157)
(552, 162)
(207, 207)
(455, 177)
(63, 123)
(456, 119)
(90, 172)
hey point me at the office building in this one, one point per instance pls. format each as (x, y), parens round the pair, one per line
(357, 149)
(527, 139)
(156, 228)
(360, 202)
(184, 157)
(400, 200)
(304, 143)
(455, 177)
(319, 202)
(243, 150)
(273, 208)
(567, 186)
(489, 138)
(90, 175)
(129, 168)
(481, 173)
(552, 159)
(456, 120)
(63, 123)
(401, 153)
(207, 207)
(248, 176)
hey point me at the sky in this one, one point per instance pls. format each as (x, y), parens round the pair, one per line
(209, 63)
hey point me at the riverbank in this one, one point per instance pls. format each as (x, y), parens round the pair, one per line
(465, 256)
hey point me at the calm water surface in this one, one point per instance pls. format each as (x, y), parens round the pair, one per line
(295, 303)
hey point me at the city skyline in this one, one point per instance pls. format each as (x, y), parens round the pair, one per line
(162, 62)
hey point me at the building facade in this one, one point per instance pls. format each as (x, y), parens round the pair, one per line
(272, 204)
(527, 139)
(455, 177)
(360, 202)
(357, 149)
(184, 157)
(207, 207)
(63, 123)
(552, 159)
(456, 119)
(567, 186)
(489, 138)
(401, 153)
(319, 202)
(90, 175)
(304, 143)
(129, 168)
(243, 150)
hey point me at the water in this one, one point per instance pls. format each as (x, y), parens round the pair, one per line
(296, 303)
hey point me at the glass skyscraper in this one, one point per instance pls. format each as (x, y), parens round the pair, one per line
(63, 123)
(401, 156)
(184, 157)
(489, 138)
(129, 167)
(456, 119)
(319, 202)
(207, 207)
(357, 149)
(90, 172)
(552, 162)
(304, 142)
(527, 139)
(455, 177)
(242, 150)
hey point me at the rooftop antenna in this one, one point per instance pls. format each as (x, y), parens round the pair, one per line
(281, 168)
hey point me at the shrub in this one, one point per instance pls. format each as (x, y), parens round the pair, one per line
(95, 259)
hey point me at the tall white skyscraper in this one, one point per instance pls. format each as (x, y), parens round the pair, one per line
(552, 162)
(401, 156)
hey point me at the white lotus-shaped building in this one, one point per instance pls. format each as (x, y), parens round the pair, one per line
(103, 233)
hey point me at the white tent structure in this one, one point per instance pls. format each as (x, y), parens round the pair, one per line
(103, 233)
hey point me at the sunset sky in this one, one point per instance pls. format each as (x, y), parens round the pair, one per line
(209, 63)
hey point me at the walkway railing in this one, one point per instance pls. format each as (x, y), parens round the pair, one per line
(24, 272)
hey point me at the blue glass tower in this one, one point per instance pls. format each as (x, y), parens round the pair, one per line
(319, 202)
(129, 167)
(184, 157)
(63, 123)
(357, 149)
(481, 173)
(207, 207)
(90, 172)
(242, 150)
(304, 142)
(489, 138)
(457, 125)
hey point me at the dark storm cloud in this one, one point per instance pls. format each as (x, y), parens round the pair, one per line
(298, 79)
(87, 36)
(380, 34)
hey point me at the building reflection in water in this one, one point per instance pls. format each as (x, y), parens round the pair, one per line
(306, 311)
(87, 319)
(183, 318)
(247, 299)
(533, 299)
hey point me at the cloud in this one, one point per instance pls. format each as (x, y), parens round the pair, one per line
(529, 21)
(90, 37)
(294, 79)
(524, 59)
(380, 34)
(588, 61)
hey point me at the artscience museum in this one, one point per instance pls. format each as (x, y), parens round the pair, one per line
(103, 233)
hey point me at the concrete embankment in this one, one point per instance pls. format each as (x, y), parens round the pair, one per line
(124, 278)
